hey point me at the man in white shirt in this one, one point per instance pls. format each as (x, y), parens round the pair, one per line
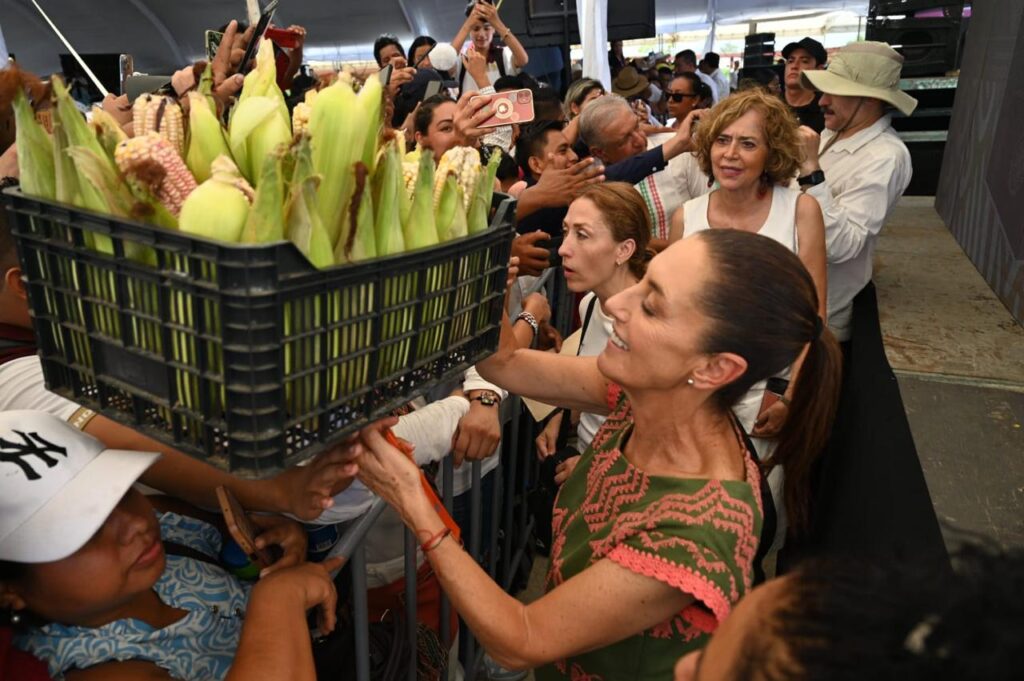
(686, 62)
(858, 168)
(709, 67)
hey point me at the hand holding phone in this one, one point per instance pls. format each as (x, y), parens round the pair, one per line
(241, 529)
(508, 108)
(257, 36)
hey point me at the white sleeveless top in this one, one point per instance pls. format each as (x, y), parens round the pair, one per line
(780, 226)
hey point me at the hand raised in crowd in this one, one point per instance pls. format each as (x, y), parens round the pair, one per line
(547, 441)
(770, 421)
(283, 532)
(310, 584)
(811, 141)
(682, 141)
(471, 110)
(306, 491)
(533, 259)
(300, 36)
(568, 183)
(475, 64)
(565, 469)
(227, 82)
(478, 433)
(488, 13)
(401, 74)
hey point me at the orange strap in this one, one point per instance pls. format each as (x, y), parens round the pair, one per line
(449, 522)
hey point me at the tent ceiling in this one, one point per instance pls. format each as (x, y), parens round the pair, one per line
(162, 34)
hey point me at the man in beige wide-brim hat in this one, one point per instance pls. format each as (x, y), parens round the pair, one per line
(858, 167)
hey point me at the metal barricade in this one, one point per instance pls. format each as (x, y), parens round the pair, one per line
(511, 526)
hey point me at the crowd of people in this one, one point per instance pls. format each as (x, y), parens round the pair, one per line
(714, 233)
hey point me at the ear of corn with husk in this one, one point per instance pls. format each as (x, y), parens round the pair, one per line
(35, 151)
(161, 115)
(206, 139)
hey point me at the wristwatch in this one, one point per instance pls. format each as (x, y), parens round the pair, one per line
(531, 320)
(486, 398)
(815, 178)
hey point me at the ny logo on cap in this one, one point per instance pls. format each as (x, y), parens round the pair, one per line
(33, 444)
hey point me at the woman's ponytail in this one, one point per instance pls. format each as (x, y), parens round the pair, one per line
(808, 425)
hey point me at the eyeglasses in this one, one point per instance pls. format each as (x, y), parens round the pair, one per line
(678, 96)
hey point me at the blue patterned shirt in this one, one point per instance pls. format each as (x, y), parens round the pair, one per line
(200, 646)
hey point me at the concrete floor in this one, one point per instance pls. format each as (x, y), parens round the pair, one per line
(959, 358)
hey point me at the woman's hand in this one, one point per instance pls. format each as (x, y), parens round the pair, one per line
(770, 421)
(565, 469)
(471, 110)
(310, 584)
(547, 441)
(283, 532)
(389, 473)
(488, 13)
(537, 304)
(307, 491)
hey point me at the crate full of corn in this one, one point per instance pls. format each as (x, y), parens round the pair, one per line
(251, 293)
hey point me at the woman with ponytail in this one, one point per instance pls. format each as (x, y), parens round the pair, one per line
(656, 530)
(604, 251)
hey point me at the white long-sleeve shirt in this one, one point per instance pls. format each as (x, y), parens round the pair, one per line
(865, 175)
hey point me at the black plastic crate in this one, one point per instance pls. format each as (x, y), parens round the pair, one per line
(246, 356)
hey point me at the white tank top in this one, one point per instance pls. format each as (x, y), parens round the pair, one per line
(780, 224)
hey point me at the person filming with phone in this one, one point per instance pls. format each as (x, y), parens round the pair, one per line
(490, 37)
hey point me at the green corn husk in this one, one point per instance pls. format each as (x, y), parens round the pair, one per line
(303, 225)
(361, 241)
(218, 208)
(388, 192)
(421, 230)
(371, 101)
(206, 139)
(480, 205)
(265, 223)
(257, 129)
(451, 215)
(35, 151)
(107, 130)
(262, 80)
(338, 126)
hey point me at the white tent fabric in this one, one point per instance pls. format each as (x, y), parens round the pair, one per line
(593, 20)
(163, 35)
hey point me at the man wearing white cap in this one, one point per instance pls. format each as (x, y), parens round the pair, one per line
(858, 168)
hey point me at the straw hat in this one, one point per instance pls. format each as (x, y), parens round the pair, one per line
(863, 69)
(629, 83)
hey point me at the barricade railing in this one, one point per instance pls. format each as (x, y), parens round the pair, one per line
(511, 526)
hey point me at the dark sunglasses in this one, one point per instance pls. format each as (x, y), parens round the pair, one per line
(678, 96)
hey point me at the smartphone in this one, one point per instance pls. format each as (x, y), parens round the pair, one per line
(509, 107)
(385, 75)
(126, 67)
(212, 40)
(257, 36)
(241, 529)
(433, 87)
(774, 390)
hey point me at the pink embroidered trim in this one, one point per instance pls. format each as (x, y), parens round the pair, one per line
(676, 576)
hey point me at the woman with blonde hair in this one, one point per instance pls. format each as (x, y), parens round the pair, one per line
(749, 145)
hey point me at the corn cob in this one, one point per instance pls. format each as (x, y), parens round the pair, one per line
(151, 162)
(218, 208)
(257, 129)
(388, 196)
(302, 222)
(450, 216)
(361, 243)
(421, 230)
(464, 164)
(480, 205)
(108, 130)
(266, 219)
(206, 138)
(35, 146)
(155, 113)
(300, 118)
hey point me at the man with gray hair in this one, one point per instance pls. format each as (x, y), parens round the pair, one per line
(610, 131)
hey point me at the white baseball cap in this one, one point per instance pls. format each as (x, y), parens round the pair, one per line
(57, 485)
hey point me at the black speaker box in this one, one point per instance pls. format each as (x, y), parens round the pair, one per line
(890, 7)
(930, 47)
(540, 23)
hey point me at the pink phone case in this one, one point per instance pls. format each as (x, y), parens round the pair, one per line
(510, 107)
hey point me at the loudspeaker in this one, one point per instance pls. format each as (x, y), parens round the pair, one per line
(890, 7)
(931, 47)
(540, 23)
(759, 50)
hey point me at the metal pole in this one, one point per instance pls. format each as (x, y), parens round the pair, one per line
(360, 613)
(411, 626)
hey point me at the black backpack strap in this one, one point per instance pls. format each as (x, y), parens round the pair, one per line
(586, 323)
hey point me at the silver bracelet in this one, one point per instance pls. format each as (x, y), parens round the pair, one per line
(531, 320)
